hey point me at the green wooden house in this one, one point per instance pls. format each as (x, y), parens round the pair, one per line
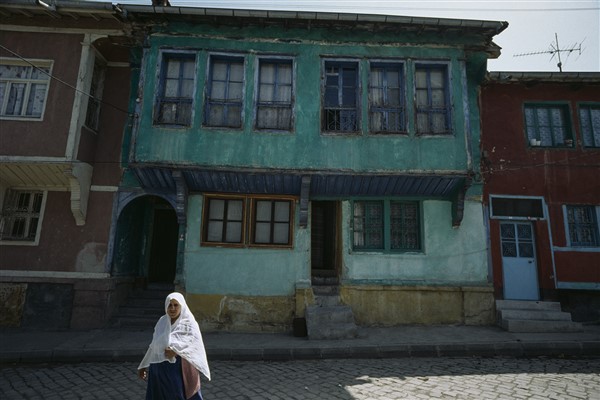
(279, 156)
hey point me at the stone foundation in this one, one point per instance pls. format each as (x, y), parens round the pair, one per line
(381, 305)
(59, 300)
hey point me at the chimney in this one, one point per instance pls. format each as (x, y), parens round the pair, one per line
(161, 3)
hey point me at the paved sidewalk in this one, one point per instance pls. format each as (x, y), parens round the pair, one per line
(17, 346)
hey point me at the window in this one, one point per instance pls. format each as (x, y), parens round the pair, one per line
(225, 220)
(582, 222)
(224, 95)
(386, 225)
(386, 98)
(275, 89)
(92, 117)
(271, 221)
(432, 99)
(548, 124)
(340, 110)
(589, 118)
(404, 226)
(517, 208)
(269, 224)
(21, 215)
(176, 89)
(23, 88)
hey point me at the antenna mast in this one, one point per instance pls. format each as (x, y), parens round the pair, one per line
(555, 50)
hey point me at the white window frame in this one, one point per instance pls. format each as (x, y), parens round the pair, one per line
(31, 63)
(35, 242)
(566, 225)
(511, 217)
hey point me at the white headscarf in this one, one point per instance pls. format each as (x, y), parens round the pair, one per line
(183, 337)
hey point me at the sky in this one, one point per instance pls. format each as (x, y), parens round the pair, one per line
(534, 25)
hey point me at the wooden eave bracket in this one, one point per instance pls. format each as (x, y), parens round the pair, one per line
(80, 181)
(181, 196)
(458, 203)
(304, 194)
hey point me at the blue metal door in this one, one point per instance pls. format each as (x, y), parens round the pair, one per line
(519, 264)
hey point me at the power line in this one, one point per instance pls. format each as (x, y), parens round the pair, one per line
(66, 83)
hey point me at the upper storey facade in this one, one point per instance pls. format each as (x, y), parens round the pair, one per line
(309, 92)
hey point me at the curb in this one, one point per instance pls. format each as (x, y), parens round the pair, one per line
(502, 349)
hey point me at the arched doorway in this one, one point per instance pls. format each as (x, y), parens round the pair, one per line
(146, 240)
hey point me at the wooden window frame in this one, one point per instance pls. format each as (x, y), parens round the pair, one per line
(10, 211)
(386, 226)
(429, 109)
(227, 104)
(336, 112)
(178, 101)
(386, 109)
(248, 220)
(277, 105)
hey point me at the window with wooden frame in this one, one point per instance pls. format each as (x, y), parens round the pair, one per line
(589, 122)
(23, 88)
(224, 91)
(548, 124)
(175, 99)
(269, 223)
(386, 225)
(386, 98)
(432, 94)
(274, 104)
(340, 96)
(583, 225)
(21, 216)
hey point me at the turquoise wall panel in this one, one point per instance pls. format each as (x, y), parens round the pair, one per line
(451, 256)
(247, 271)
(306, 147)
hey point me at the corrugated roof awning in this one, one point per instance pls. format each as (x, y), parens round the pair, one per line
(307, 185)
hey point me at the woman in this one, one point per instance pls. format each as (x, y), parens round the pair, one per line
(175, 355)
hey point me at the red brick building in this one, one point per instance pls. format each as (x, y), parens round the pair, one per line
(541, 167)
(64, 93)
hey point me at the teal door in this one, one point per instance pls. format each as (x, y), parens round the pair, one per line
(519, 264)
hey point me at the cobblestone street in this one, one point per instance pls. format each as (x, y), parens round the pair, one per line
(416, 378)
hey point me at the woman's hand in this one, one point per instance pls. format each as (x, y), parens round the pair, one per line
(143, 373)
(169, 353)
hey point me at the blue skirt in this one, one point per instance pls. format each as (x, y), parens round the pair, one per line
(165, 382)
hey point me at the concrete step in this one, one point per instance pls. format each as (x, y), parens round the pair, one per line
(324, 280)
(542, 315)
(330, 322)
(538, 326)
(527, 305)
(534, 317)
(326, 290)
(327, 301)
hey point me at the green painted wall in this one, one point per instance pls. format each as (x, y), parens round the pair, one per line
(246, 271)
(306, 148)
(451, 256)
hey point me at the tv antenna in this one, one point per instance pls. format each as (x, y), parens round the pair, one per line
(555, 50)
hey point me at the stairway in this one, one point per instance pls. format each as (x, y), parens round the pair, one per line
(143, 307)
(328, 318)
(534, 316)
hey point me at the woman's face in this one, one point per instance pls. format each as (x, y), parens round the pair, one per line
(174, 309)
